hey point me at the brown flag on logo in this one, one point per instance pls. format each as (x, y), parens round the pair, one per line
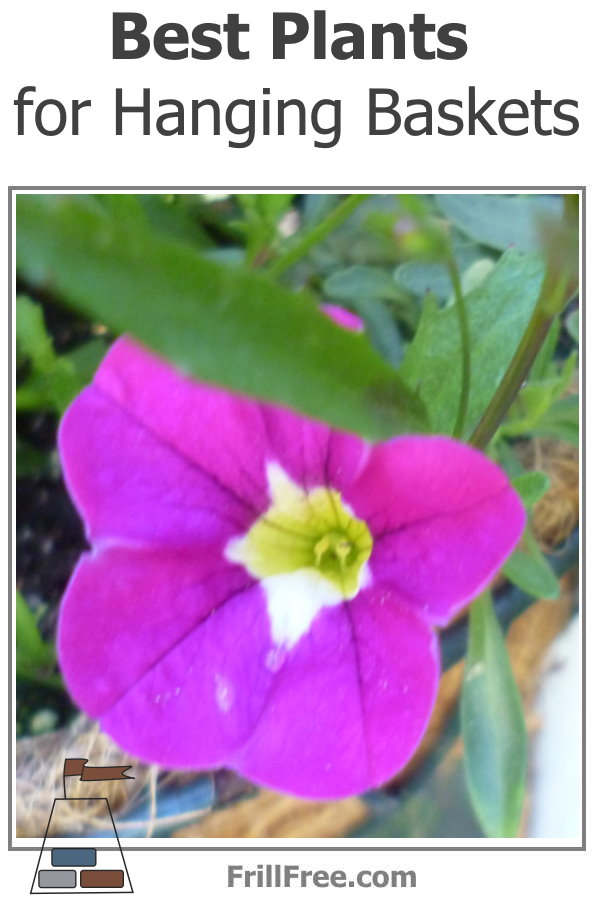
(84, 772)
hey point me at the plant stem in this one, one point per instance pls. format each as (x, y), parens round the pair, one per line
(465, 340)
(552, 297)
(307, 241)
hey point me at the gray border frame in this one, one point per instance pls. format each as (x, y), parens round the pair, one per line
(578, 189)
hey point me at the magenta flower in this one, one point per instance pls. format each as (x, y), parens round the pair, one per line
(262, 591)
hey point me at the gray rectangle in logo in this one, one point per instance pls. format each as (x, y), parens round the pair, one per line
(57, 878)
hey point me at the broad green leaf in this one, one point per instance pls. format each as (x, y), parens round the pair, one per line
(32, 652)
(493, 726)
(227, 326)
(177, 216)
(498, 312)
(531, 487)
(500, 220)
(532, 574)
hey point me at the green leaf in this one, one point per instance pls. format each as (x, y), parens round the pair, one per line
(500, 220)
(476, 274)
(231, 327)
(176, 215)
(54, 380)
(561, 421)
(493, 726)
(498, 312)
(51, 390)
(536, 398)
(268, 207)
(273, 206)
(381, 328)
(532, 574)
(420, 278)
(362, 283)
(32, 652)
(531, 487)
(262, 214)
(86, 358)
(33, 340)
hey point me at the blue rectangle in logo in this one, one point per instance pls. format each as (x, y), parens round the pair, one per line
(73, 856)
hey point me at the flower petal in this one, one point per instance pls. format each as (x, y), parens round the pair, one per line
(199, 699)
(177, 660)
(131, 486)
(444, 519)
(312, 454)
(213, 428)
(350, 702)
(124, 610)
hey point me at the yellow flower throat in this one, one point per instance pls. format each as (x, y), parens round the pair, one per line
(305, 530)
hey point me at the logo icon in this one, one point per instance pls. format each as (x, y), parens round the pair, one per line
(85, 869)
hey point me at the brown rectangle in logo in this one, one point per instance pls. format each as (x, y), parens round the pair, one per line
(101, 878)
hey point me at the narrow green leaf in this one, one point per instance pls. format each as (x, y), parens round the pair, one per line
(493, 726)
(531, 487)
(498, 312)
(532, 574)
(500, 220)
(227, 326)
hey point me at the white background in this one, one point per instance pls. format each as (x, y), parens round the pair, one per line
(64, 49)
